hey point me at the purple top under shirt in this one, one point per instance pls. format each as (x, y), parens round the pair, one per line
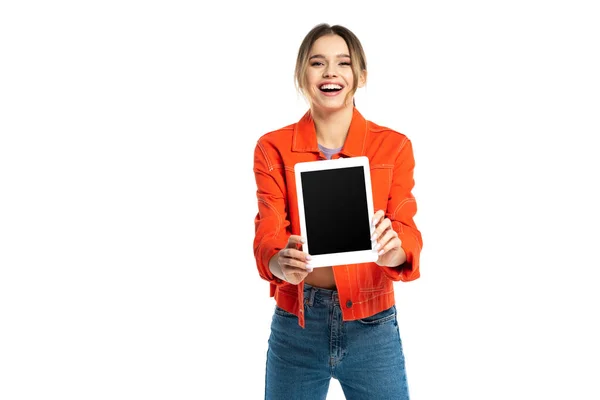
(329, 152)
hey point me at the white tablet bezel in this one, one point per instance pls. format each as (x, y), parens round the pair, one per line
(332, 259)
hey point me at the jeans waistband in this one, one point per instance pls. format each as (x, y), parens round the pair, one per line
(323, 296)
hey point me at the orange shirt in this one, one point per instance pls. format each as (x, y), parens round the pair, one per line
(364, 289)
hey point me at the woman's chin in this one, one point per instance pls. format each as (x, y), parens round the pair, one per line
(330, 106)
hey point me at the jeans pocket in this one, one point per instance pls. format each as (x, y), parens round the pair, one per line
(381, 317)
(282, 313)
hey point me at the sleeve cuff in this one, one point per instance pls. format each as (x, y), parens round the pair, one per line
(409, 271)
(267, 250)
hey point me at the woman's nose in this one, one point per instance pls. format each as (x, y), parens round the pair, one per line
(329, 72)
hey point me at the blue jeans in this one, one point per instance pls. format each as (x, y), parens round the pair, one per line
(365, 356)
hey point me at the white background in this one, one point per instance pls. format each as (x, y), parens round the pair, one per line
(127, 196)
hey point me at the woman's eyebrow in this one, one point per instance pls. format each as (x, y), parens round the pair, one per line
(322, 56)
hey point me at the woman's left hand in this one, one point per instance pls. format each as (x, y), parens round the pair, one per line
(389, 245)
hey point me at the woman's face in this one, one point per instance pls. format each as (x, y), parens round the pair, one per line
(329, 77)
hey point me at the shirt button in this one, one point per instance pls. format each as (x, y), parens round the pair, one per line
(349, 304)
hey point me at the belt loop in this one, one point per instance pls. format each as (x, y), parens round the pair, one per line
(311, 296)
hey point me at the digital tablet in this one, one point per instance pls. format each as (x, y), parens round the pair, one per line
(335, 205)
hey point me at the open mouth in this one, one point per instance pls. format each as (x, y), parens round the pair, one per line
(330, 88)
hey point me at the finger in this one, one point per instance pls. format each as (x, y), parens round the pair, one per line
(294, 263)
(295, 277)
(377, 217)
(385, 238)
(300, 273)
(392, 244)
(381, 228)
(294, 270)
(294, 241)
(295, 258)
(294, 254)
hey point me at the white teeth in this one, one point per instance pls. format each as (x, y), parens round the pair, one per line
(331, 86)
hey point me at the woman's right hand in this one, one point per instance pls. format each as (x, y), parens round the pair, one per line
(294, 263)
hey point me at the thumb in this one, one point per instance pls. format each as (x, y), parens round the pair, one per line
(294, 241)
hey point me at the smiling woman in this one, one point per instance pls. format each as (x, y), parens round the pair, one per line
(330, 67)
(334, 321)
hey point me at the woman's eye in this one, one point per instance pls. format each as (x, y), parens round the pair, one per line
(345, 63)
(316, 63)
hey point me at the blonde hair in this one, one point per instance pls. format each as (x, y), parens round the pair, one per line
(357, 54)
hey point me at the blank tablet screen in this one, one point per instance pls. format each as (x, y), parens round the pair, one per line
(336, 210)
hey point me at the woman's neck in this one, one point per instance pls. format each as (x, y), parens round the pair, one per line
(332, 127)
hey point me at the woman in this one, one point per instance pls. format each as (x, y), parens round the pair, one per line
(335, 321)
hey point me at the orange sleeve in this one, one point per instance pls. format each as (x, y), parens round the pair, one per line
(271, 224)
(401, 209)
